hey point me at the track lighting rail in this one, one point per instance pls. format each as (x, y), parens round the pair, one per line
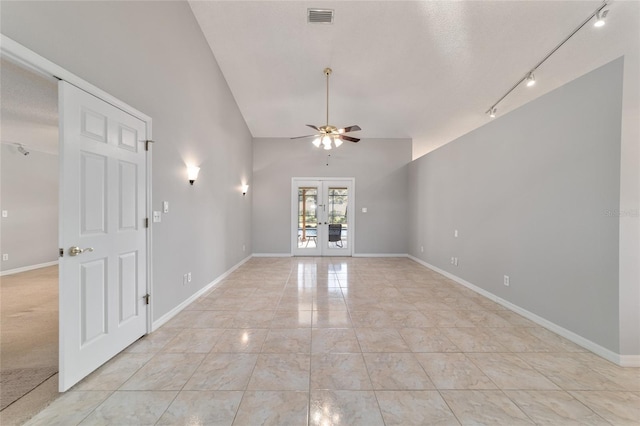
(493, 109)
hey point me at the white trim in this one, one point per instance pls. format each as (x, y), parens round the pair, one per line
(271, 255)
(149, 215)
(622, 360)
(175, 311)
(380, 255)
(629, 361)
(27, 268)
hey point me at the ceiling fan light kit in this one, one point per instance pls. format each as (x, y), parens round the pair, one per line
(330, 136)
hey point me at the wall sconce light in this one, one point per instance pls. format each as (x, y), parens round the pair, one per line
(192, 173)
(245, 188)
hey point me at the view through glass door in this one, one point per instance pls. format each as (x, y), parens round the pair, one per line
(322, 223)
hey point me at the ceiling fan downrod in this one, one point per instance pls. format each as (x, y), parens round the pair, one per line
(327, 72)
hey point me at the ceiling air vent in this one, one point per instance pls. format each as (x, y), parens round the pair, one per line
(320, 16)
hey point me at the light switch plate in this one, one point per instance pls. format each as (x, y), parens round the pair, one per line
(364, 210)
(165, 206)
(5, 213)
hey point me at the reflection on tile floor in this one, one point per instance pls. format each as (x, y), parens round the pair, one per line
(349, 341)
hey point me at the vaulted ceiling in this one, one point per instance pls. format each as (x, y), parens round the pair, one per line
(426, 70)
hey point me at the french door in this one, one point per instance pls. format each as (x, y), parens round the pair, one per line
(322, 217)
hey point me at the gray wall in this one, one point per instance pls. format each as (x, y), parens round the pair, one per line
(29, 192)
(530, 194)
(379, 167)
(153, 56)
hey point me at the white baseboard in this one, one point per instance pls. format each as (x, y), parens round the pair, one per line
(27, 268)
(380, 255)
(353, 255)
(622, 360)
(175, 311)
(271, 254)
(629, 360)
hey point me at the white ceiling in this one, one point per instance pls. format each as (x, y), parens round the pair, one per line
(426, 70)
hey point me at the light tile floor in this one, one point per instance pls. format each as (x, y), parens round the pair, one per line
(349, 341)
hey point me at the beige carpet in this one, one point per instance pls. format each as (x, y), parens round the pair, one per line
(28, 332)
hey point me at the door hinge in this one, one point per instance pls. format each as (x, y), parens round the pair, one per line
(146, 222)
(146, 299)
(60, 252)
(146, 144)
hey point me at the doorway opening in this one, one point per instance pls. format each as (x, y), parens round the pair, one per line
(321, 217)
(30, 286)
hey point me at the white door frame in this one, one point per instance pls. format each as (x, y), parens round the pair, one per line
(27, 58)
(350, 213)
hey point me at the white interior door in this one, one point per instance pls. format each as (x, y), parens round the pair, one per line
(322, 222)
(102, 232)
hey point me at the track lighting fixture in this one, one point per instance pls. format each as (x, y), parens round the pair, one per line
(531, 79)
(600, 13)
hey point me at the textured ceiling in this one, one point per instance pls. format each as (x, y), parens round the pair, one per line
(29, 109)
(426, 70)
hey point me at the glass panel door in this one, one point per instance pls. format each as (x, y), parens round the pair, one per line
(306, 218)
(337, 199)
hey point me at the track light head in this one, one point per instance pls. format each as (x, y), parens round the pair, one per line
(531, 80)
(600, 15)
(22, 150)
(492, 112)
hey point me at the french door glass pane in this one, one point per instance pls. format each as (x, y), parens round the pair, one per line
(307, 217)
(337, 205)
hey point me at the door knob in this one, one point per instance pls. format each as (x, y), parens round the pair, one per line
(75, 250)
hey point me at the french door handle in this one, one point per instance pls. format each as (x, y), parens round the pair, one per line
(75, 250)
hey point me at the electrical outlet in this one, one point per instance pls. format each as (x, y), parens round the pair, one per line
(244, 248)
(452, 260)
(5, 213)
(5, 256)
(455, 233)
(506, 280)
(189, 277)
(184, 279)
(157, 217)
(421, 249)
(455, 261)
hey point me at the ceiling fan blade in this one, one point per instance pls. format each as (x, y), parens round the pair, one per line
(348, 138)
(347, 129)
(307, 136)
(313, 127)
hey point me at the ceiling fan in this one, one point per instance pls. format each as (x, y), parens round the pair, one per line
(329, 134)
